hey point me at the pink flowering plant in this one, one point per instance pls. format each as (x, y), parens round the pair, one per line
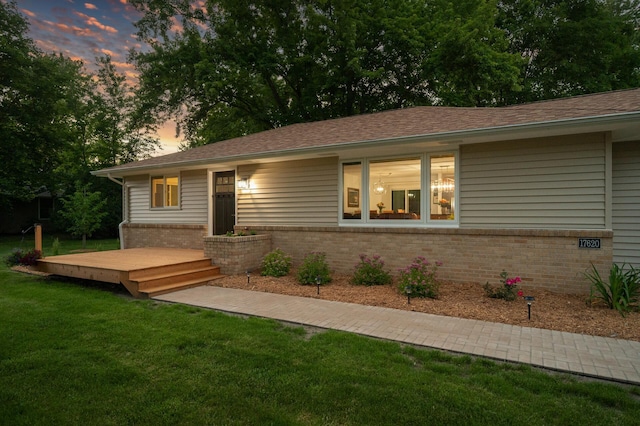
(370, 271)
(419, 279)
(506, 291)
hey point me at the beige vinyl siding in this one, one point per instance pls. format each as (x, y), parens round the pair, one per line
(290, 193)
(626, 203)
(554, 183)
(193, 200)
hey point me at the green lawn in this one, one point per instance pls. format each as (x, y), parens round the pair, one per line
(75, 354)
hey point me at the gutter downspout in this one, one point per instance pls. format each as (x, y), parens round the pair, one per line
(125, 212)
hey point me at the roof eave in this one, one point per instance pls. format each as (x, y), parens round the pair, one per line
(451, 136)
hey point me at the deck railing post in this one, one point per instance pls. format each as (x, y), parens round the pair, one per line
(38, 230)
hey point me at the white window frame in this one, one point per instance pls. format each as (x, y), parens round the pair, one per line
(425, 220)
(164, 192)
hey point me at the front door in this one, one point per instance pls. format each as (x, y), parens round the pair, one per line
(224, 202)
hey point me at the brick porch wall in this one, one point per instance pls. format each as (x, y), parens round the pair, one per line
(236, 255)
(164, 235)
(547, 259)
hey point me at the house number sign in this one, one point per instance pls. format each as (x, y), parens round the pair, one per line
(589, 243)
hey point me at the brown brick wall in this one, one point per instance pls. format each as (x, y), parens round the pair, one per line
(547, 259)
(167, 235)
(236, 255)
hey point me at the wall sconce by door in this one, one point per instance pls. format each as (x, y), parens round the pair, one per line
(244, 183)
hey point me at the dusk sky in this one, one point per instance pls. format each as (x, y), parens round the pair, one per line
(88, 29)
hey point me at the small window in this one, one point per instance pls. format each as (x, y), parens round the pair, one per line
(164, 191)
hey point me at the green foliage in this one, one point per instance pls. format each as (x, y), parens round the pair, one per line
(314, 266)
(419, 279)
(507, 289)
(571, 47)
(278, 63)
(38, 92)
(84, 211)
(370, 271)
(620, 292)
(21, 257)
(55, 247)
(276, 264)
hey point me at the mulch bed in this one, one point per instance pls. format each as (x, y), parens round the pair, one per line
(553, 311)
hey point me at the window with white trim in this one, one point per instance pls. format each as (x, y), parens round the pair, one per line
(165, 191)
(413, 190)
(443, 189)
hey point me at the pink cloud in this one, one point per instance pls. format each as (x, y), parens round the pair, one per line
(176, 26)
(75, 30)
(90, 6)
(28, 13)
(90, 20)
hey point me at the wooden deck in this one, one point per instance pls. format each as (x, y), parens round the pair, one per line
(144, 272)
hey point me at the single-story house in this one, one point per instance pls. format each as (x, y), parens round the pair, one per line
(541, 190)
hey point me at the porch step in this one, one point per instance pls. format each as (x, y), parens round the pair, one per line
(175, 268)
(158, 280)
(182, 285)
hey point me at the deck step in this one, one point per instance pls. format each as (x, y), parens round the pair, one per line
(154, 281)
(154, 271)
(182, 285)
(160, 280)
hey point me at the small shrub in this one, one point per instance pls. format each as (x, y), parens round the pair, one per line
(506, 291)
(19, 257)
(419, 279)
(276, 264)
(314, 266)
(370, 271)
(622, 290)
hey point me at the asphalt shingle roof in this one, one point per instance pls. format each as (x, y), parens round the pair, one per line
(416, 121)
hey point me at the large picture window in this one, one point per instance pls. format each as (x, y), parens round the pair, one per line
(415, 191)
(394, 189)
(164, 191)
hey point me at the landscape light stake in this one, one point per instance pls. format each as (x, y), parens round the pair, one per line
(248, 276)
(407, 290)
(318, 283)
(529, 299)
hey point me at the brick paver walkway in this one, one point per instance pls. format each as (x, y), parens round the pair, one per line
(602, 357)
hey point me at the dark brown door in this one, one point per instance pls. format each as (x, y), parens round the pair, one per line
(224, 202)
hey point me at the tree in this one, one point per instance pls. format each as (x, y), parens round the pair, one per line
(84, 211)
(104, 132)
(572, 47)
(36, 92)
(238, 67)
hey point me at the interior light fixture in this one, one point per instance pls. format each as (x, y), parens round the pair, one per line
(444, 185)
(379, 187)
